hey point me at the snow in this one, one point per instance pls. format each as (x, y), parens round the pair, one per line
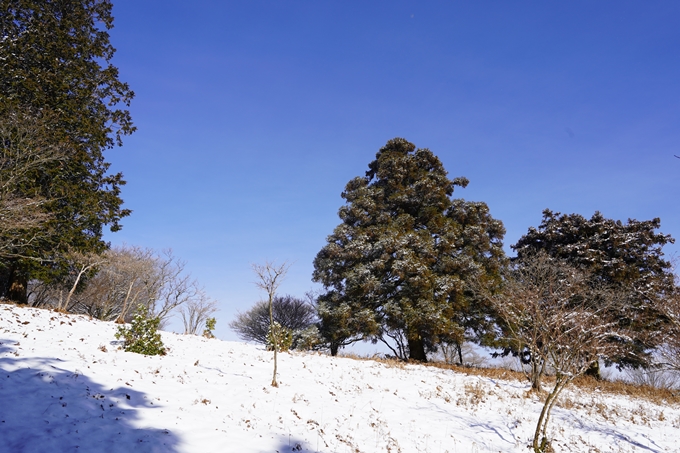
(65, 386)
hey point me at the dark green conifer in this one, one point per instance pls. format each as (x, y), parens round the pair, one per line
(55, 65)
(397, 265)
(628, 257)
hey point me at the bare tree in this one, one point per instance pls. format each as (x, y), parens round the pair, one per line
(130, 273)
(125, 277)
(553, 310)
(123, 280)
(290, 312)
(196, 311)
(26, 146)
(171, 285)
(269, 277)
(81, 263)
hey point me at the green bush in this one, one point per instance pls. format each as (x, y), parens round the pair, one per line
(284, 336)
(142, 336)
(209, 327)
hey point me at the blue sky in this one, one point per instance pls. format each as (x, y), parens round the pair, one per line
(253, 115)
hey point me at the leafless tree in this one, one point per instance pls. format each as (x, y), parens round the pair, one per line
(171, 285)
(26, 146)
(290, 312)
(270, 276)
(123, 282)
(125, 277)
(395, 340)
(196, 311)
(81, 263)
(554, 311)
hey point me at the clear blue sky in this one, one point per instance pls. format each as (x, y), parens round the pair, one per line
(253, 115)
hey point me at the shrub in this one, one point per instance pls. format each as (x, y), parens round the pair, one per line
(142, 336)
(209, 327)
(283, 335)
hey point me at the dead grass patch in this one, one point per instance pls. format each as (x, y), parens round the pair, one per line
(645, 392)
(583, 383)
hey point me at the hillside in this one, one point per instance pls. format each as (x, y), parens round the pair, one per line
(65, 386)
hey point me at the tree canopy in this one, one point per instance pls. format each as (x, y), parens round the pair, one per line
(395, 269)
(55, 67)
(626, 256)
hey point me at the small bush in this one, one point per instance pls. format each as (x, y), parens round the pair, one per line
(142, 336)
(283, 335)
(209, 327)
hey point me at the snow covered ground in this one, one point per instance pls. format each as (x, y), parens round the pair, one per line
(65, 386)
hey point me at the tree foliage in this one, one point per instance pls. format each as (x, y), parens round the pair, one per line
(55, 65)
(395, 269)
(626, 256)
(668, 349)
(210, 324)
(279, 338)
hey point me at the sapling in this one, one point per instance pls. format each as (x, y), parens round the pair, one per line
(270, 276)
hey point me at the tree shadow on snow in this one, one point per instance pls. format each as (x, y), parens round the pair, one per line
(293, 445)
(617, 436)
(47, 408)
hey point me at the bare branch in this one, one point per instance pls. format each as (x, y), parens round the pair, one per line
(196, 311)
(26, 146)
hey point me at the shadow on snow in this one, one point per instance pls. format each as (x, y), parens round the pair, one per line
(291, 444)
(47, 408)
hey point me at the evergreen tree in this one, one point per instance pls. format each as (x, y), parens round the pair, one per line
(142, 335)
(397, 265)
(626, 256)
(55, 66)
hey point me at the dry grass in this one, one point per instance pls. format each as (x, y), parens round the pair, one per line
(583, 383)
(645, 392)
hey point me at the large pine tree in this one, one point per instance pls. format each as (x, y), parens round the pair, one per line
(396, 267)
(55, 66)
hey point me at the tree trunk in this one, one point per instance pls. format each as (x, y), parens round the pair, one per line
(416, 350)
(334, 349)
(536, 372)
(594, 370)
(275, 337)
(541, 443)
(459, 349)
(18, 286)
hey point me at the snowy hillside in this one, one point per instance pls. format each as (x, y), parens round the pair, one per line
(65, 386)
